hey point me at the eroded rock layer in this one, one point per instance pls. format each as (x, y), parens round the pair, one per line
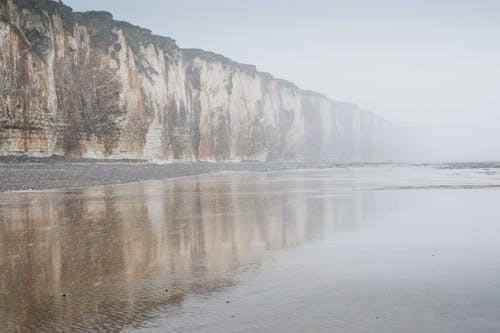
(85, 85)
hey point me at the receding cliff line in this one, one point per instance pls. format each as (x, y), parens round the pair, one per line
(85, 85)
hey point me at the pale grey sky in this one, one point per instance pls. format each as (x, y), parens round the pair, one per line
(432, 64)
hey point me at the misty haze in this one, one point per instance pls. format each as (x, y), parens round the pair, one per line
(249, 166)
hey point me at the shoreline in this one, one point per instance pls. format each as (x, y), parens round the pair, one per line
(25, 173)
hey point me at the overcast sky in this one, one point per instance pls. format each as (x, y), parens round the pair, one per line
(432, 64)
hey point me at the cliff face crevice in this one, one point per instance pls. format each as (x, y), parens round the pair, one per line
(85, 85)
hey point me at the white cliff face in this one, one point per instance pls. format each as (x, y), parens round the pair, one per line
(244, 115)
(81, 84)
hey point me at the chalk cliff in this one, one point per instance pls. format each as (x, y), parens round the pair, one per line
(85, 85)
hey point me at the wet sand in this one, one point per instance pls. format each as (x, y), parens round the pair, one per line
(372, 249)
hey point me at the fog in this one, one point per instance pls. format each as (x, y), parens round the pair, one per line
(431, 65)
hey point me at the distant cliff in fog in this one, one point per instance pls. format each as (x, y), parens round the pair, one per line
(84, 85)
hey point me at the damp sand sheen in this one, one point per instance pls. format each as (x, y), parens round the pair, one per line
(354, 249)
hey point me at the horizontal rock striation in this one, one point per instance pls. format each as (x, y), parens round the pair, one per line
(85, 85)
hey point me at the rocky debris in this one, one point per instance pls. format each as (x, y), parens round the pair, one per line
(62, 172)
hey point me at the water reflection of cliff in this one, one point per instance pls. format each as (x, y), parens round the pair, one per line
(112, 251)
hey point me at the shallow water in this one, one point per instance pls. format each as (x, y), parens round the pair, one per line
(370, 249)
